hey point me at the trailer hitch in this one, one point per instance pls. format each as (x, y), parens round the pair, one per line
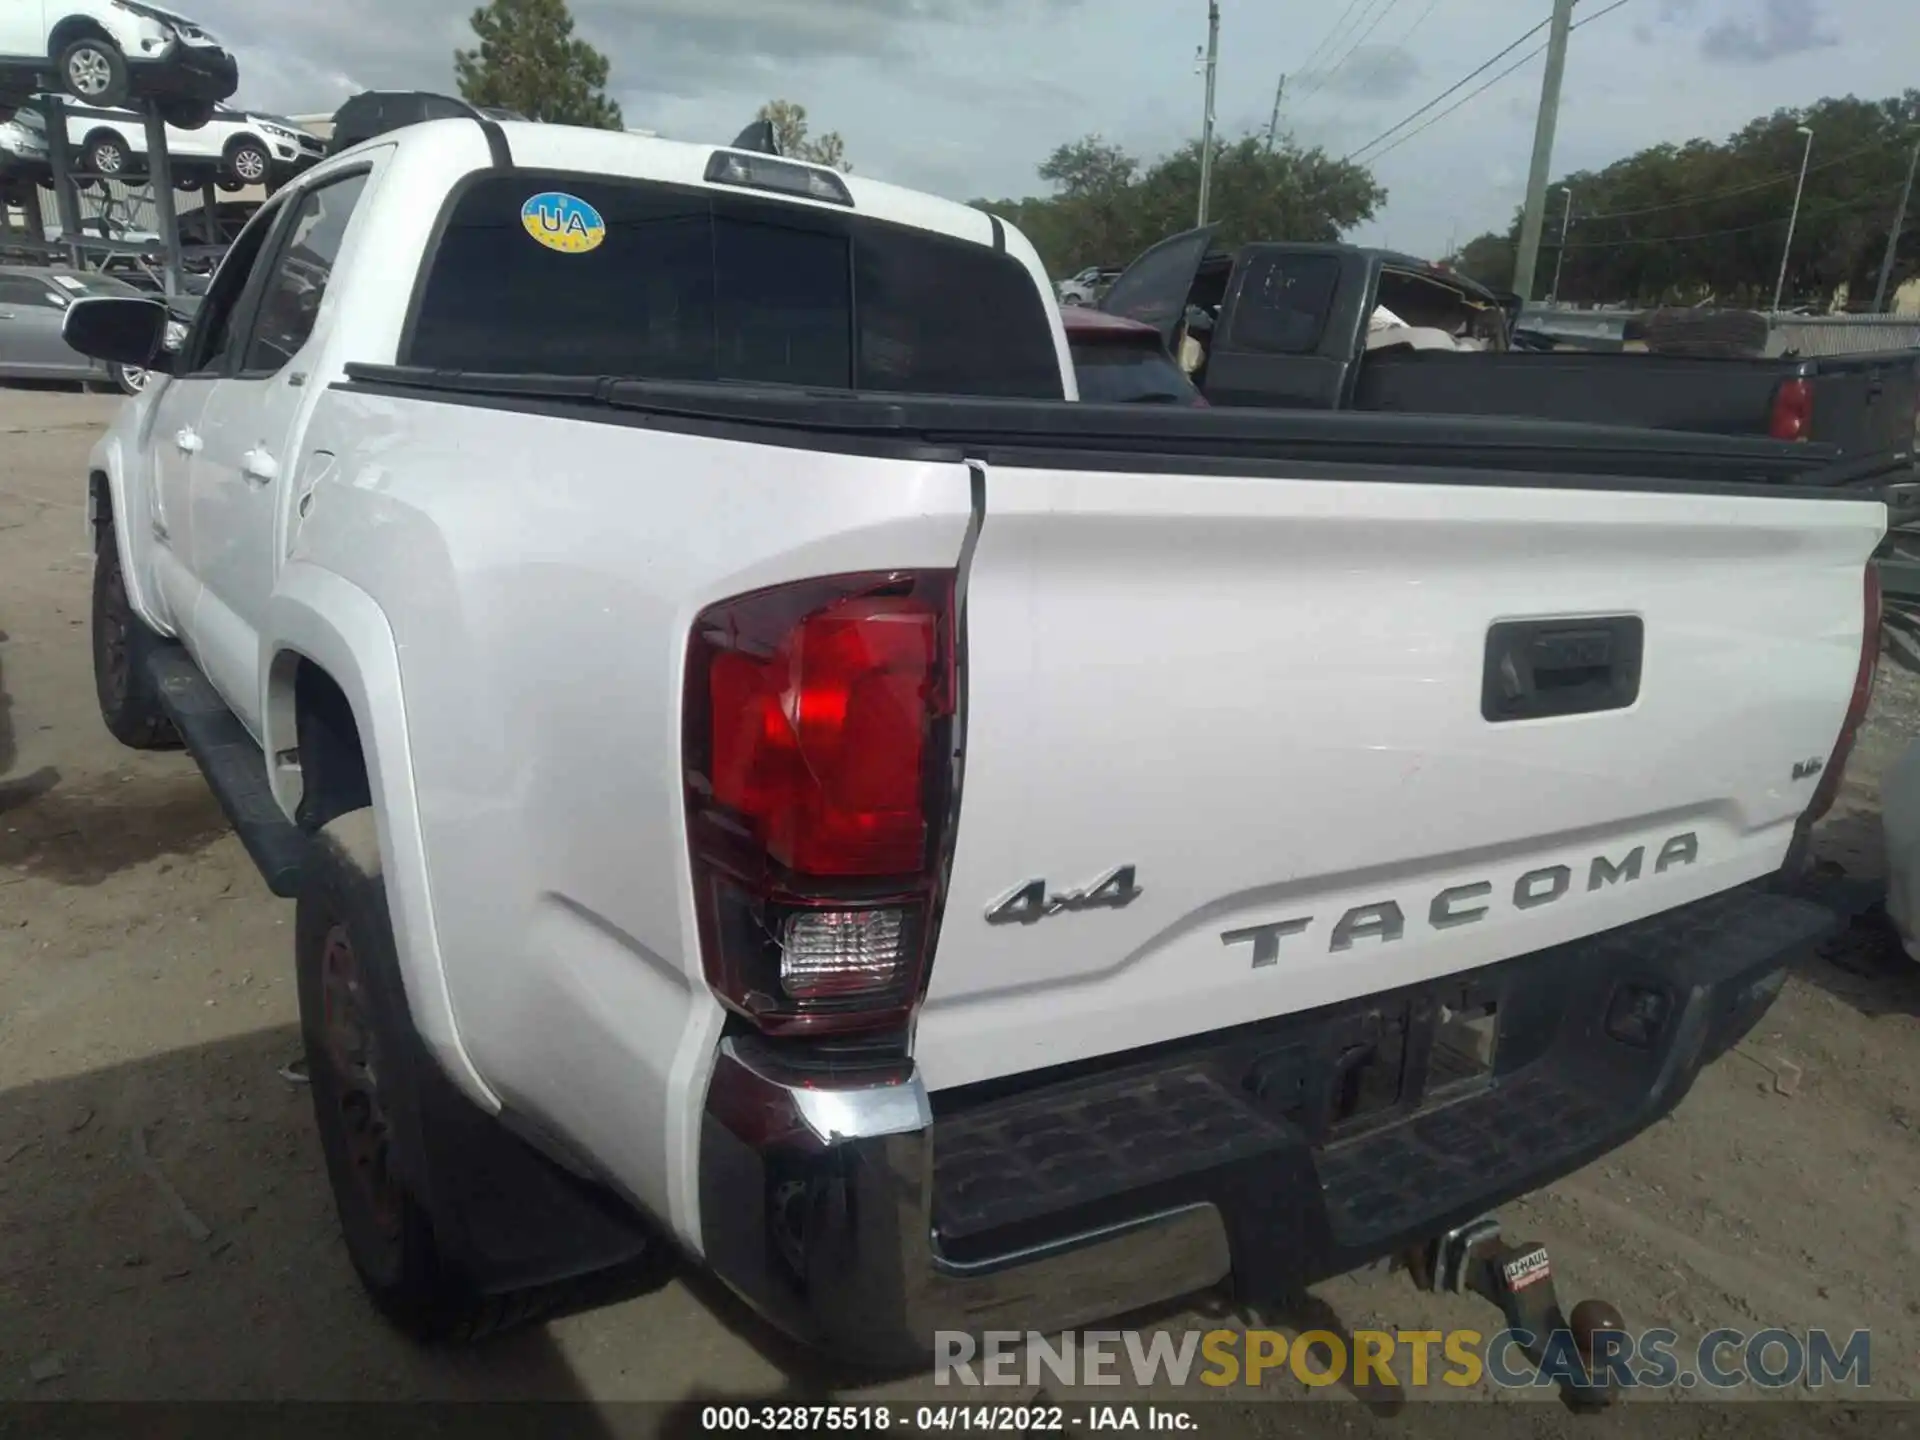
(1518, 1280)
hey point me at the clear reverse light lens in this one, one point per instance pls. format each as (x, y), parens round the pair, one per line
(828, 953)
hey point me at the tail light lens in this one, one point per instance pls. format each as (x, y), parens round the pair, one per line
(818, 745)
(1792, 417)
(1828, 789)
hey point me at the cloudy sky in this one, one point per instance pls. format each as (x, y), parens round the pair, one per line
(965, 97)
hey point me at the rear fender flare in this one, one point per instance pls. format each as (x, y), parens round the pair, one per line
(318, 616)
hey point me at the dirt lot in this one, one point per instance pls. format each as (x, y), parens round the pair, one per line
(145, 991)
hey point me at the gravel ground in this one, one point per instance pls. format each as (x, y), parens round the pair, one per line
(147, 1007)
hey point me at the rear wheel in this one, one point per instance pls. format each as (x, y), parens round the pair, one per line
(364, 1066)
(121, 643)
(94, 70)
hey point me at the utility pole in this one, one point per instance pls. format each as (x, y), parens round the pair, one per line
(1893, 238)
(1273, 125)
(1206, 125)
(1793, 220)
(1534, 220)
(1560, 260)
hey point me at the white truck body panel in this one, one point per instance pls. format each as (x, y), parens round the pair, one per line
(1261, 692)
(541, 630)
(1265, 694)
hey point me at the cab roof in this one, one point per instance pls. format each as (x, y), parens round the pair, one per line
(451, 143)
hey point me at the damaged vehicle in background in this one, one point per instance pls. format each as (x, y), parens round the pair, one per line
(1312, 326)
(1122, 362)
(105, 52)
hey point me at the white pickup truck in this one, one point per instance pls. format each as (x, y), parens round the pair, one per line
(766, 774)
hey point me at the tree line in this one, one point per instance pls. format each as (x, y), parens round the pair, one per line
(1108, 205)
(1105, 206)
(1672, 224)
(527, 58)
(1682, 224)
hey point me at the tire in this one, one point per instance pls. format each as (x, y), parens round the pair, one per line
(1707, 334)
(364, 1068)
(106, 155)
(121, 643)
(186, 114)
(248, 162)
(94, 70)
(130, 379)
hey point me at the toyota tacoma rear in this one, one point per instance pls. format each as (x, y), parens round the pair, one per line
(764, 768)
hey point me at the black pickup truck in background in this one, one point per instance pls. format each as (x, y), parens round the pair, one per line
(1285, 325)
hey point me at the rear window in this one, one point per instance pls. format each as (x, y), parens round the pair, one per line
(1284, 302)
(687, 284)
(1129, 373)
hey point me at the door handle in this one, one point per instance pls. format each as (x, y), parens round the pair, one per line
(187, 443)
(1540, 668)
(257, 464)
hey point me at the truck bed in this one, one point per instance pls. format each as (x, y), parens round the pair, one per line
(1249, 655)
(1860, 404)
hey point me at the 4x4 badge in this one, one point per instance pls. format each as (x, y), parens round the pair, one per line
(1031, 901)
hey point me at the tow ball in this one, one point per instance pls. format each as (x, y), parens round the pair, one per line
(1518, 1279)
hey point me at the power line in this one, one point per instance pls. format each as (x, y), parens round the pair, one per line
(1839, 207)
(1337, 39)
(1325, 77)
(1747, 188)
(1461, 84)
(1407, 35)
(1482, 89)
(1323, 47)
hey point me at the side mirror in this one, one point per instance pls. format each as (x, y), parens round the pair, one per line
(125, 330)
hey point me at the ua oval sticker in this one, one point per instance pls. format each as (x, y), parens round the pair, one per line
(563, 222)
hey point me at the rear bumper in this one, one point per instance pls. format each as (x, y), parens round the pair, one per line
(862, 1218)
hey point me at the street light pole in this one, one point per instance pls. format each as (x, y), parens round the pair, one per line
(1893, 239)
(1793, 220)
(1560, 261)
(1533, 219)
(1206, 125)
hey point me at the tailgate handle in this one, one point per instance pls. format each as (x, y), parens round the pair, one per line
(1536, 669)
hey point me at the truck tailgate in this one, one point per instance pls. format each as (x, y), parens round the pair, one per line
(1867, 404)
(1270, 698)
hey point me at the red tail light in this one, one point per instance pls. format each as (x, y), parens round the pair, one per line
(1792, 417)
(818, 752)
(1828, 789)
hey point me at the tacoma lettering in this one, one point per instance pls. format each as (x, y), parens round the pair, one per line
(1383, 921)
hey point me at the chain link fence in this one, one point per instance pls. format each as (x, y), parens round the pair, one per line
(1808, 335)
(1814, 335)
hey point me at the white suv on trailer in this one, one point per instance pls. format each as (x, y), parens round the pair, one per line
(107, 51)
(241, 147)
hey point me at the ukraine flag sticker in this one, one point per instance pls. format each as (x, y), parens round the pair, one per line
(563, 222)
